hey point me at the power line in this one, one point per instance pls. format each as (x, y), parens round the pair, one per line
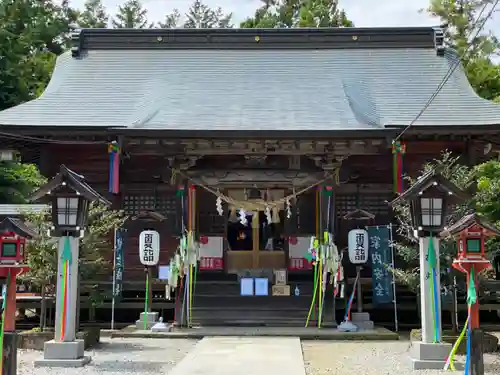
(46, 140)
(453, 67)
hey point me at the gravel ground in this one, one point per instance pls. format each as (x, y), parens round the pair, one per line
(370, 358)
(117, 357)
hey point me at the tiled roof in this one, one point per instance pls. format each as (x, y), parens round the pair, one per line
(21, 209)
(257, 89)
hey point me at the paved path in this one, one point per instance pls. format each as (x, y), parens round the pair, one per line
(243, 356)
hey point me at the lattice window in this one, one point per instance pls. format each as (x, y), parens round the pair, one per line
(374, 203)
(166, 204)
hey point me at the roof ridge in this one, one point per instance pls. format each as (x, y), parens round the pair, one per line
(298, 38)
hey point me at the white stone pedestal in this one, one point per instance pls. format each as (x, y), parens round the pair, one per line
(63, 354)
(150, 318)
(362, 320)
(429, 356)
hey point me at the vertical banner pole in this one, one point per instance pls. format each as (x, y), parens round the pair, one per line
(114, 285)
(320, 256)
(146, 300)
(393, 265)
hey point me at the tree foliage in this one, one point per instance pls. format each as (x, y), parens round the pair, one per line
(18, 181)
(41, 252)
(298, 13)
(199, 16)
(132, 15)
(484, 180)
(94, 15)
(463, 18)
(32, 33)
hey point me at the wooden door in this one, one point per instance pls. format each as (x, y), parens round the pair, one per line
(256, 257)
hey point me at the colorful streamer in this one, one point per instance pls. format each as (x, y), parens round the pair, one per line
(398, 151)
(432, 261)
(5, 291)
(351, 299)
(469, 345)
(471, 288)
(471, 300)
(66, 259)
(114, 167)
(449, 365)
(313, 302)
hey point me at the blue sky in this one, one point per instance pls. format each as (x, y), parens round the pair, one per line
(370, 13)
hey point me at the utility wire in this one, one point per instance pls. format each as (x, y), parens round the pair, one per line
(454, 66)
(45, 140)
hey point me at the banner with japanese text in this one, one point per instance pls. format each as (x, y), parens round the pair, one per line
(119, 264)
(381, 260)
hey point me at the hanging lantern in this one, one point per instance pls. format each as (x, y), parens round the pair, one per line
(358, 246)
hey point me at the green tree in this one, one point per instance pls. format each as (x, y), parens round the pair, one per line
(94, 15)
(462, 18)
(488, 190)
(407, 247)
(201, 16)
(41, 253)
(18, 181)
(171, 20)
(132, 15)
(484, 180)
(298, 13)
(32, 33)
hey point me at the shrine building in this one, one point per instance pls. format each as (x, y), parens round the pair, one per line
(250, 116)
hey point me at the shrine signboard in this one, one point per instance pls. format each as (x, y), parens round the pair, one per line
(381, 260)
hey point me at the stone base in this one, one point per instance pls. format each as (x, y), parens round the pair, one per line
(362, 320)
(150, 318)
(63, 354)
(347, 326)
(80, 362)
(160, 327)
(426, 356)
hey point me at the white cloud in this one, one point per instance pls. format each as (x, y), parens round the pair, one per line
(368, 13)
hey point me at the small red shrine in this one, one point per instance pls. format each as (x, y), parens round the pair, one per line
(13, 236)
(471, 233)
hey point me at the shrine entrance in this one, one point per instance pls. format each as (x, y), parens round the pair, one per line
(255, 242)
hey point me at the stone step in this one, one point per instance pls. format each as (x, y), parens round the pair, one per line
(255, 301)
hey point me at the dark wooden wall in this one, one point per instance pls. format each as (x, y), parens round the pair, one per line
(145, 185)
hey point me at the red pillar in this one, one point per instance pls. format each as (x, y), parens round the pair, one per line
(10, 306)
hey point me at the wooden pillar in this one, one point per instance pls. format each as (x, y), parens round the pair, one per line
(476, 362)
(10, 305)
(255, 239)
